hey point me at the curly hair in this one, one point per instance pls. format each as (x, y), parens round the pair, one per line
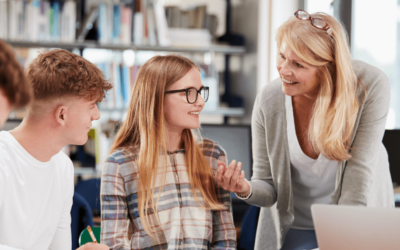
(13, 81)
(60, 73)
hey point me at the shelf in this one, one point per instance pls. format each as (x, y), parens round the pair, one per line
(232, 112)
(224, 49)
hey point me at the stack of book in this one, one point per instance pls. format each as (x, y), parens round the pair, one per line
(141, 22)
(38, 20)
(193, 18)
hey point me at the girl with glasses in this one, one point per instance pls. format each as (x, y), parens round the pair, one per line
(317, 134)
(158, 188)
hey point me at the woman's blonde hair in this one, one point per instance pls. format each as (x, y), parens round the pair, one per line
(335, 109)
(144, 129)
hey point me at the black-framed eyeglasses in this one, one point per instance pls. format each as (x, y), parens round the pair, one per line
(192, 93)
(316, 22)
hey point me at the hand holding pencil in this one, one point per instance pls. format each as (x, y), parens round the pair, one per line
(91, 234)
(93, 245)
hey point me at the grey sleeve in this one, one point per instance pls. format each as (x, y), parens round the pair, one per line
(364, 162)
(263, 194)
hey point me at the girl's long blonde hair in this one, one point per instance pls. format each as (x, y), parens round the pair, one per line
(335, 109)
(144, 129)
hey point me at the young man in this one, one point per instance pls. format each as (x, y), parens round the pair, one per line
(15, 90)
(36, 179)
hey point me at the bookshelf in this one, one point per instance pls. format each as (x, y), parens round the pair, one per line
(222, 49)
(226, 112)
(120, 26)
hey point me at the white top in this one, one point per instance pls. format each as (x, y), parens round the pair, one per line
(35, 199)
(313, 181)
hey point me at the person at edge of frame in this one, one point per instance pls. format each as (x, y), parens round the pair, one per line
(317, 135)
(36, 177)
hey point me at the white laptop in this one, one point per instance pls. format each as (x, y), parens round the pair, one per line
(356, 227)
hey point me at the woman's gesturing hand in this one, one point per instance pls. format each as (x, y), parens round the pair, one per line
(231, 178)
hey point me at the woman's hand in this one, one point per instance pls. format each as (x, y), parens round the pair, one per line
(231, 178)
(93, 246)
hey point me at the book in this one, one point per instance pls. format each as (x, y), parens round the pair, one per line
(122, 84)
(102, 26)
(109, 20)
(134, 9)
(68, 21)
(116, 76)
(192, 16)
(55, 21)
(151, 28)
(161, 24)
(173, 14)
(143, 10)
(201, 12)
(138, 29)
(185, 20)
(126, 25)
(108, 101)
(38, 20)
(79, 16)
(126, 84)
(116, 23)
(135, 71)
(16, 20)
(44, 26)
(32, 12)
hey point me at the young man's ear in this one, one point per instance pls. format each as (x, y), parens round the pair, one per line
(61, 114)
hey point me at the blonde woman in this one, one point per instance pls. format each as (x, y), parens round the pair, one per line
(158, 188)
(317, 134)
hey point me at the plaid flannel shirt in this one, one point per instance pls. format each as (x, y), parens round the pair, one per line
(182, 223)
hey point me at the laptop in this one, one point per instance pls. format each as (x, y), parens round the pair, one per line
(356, 227)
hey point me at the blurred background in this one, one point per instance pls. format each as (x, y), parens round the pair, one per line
(233, 42)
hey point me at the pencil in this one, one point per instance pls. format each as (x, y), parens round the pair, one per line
(91, 234)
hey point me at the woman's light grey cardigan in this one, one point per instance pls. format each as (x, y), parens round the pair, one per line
(362, 180)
